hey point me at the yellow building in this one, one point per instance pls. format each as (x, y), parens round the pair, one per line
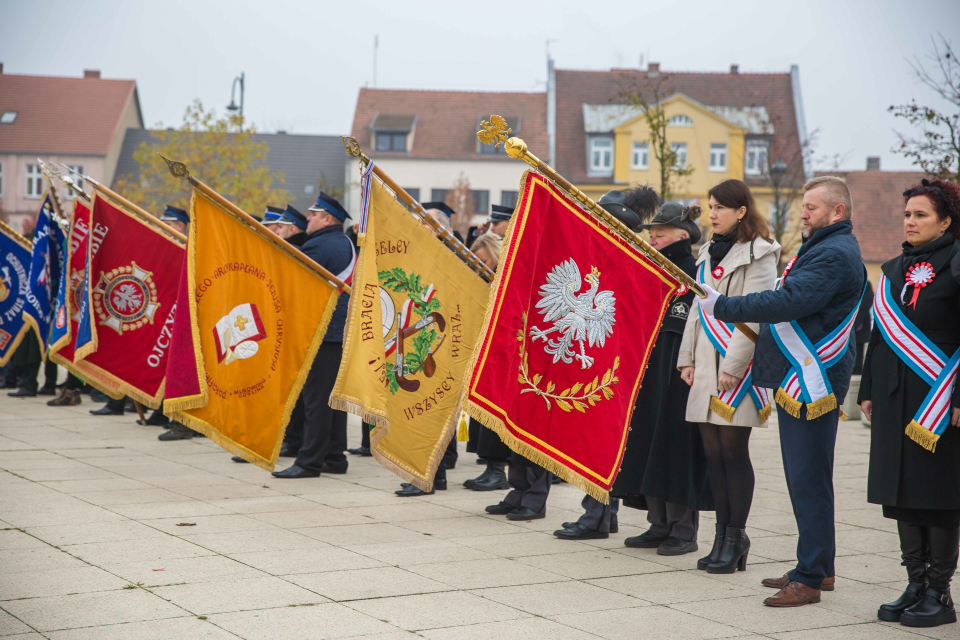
(744, 126)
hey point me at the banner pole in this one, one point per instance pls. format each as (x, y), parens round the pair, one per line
(517, 148)
(353, 149)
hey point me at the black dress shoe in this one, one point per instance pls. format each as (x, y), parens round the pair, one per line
(47, 391)
(22, 393)
(439, 485)
(499, 509)
(360, 451)
(240, 460)
(614, 526)
(411, 491)
(177, 432)
(295, 472)
(580, 532)
(646, 540)
(287, 451)
(523, 513)
(338, 468)
(105, 411)
(676, 547)
(156, 419)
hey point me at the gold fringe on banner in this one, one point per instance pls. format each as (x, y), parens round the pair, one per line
(765, 413)
(722, 409)
(789, 405)
(924, 438)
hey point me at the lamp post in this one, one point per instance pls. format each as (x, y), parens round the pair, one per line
(233, 103)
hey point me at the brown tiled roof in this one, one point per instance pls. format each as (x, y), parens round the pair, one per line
(62, 115)
(576, 88)
(878, 209)
(446, 125)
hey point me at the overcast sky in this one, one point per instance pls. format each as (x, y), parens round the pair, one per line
(305, 61)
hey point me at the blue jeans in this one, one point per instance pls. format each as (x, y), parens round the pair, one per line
(807, 449)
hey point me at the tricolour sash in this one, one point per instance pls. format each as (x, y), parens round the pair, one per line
(725, 402)
(927, 361)
(806, 382)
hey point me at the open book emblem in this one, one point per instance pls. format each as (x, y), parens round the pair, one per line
(237, 333)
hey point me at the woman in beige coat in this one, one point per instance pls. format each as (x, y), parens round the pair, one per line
(741, 258)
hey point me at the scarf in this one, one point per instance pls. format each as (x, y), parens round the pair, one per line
(720, 246)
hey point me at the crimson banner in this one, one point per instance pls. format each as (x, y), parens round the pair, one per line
(134, 275)
(67, 312)
(574, 313)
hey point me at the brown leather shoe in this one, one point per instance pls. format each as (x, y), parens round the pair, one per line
(781, 582)
(67, 398)
(793, 594)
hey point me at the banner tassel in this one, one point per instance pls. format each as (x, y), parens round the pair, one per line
(921, 436)
(463, 432)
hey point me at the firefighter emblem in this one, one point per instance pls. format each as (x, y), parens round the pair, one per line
(125, 299)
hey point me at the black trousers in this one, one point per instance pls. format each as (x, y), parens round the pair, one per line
(73, 383)
(365, 435)
(324, 429)
(50, 371)
(293, 437)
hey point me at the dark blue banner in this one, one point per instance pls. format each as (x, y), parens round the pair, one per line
(16, 300)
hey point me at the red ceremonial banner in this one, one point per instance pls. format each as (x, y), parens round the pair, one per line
(575, 311)
(62, 351)
(134, 278)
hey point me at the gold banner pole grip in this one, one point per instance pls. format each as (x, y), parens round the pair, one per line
(495, 132)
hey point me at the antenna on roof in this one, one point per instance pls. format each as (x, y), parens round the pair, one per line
(376, 45)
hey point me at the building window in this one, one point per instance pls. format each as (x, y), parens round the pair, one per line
(509, 198)
(680, 120)
(680, 148)
(641, 156)
(491, 150)
(413, 193)
(34, 181)
(480, 200)
(755, 162)
(438, 195)
(77, 180)
(601, 155)
(8, 117)
(391, 141)
(718, 157)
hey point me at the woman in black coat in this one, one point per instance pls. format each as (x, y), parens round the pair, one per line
(914, 475)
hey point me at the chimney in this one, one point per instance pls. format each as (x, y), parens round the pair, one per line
(653, 69)
(91, 73)
(873, 163)
(734, 69)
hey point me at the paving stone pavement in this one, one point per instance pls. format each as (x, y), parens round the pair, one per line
(106, 533)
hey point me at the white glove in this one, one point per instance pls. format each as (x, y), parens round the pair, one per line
(708, 303)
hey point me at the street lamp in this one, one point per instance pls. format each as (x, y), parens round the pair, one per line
(233, 103)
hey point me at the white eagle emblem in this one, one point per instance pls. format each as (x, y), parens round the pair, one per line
(588, 316)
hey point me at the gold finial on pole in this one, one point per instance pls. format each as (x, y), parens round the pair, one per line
(517, 148)
(177, 169)
(353, 150)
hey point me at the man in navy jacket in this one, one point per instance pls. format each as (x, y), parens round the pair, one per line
(819, 289)
(325, 429)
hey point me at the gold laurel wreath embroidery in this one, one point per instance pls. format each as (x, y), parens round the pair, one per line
(568, 399)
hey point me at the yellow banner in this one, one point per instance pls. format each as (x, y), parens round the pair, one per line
(256, 319)
(415, 314)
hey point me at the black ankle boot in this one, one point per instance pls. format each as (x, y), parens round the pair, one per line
(715, 552)
(496, 481)
(936, 606)
(733, 554)
(891, 611)
(481, 478)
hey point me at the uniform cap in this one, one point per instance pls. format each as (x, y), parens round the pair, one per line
(174, 214)
(330, 205)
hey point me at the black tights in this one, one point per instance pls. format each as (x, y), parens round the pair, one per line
(727, 448)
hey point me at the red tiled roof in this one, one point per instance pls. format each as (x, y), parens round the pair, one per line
(878, 209)
(576, 88)
(62, 115)
(446, 125)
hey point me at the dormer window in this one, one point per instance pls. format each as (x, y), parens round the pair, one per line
(600, 156)
(680, 120)
(391, 132)
(513, 122)
(8, 117)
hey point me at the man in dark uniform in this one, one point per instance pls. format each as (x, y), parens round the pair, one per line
(664, 468)
(271, 216)
(325, 429)
(500, 219)
(291, 225)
